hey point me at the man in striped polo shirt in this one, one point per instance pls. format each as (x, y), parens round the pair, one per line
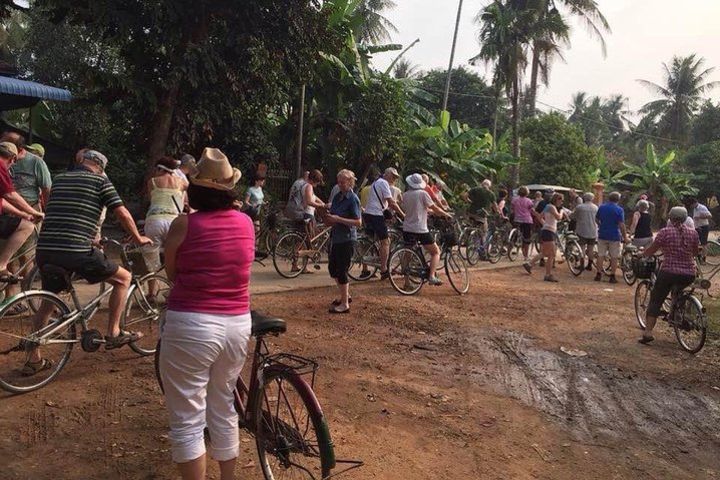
(66, 240)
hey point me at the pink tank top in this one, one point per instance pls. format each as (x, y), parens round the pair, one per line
(213, 264)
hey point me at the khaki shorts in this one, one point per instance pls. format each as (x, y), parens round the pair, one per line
(609, 248)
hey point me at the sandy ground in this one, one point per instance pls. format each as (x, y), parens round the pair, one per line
(435, 386)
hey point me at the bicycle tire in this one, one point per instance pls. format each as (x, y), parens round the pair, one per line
(574, 257)
(457, 272)
(14, 348)
(642, 298)
(406, 267)
(628, 273)
(156, 364)
(286, 250)
(364, 250)
(689, 306)
(473, 247)
(142, 311)
(286, 436)
(514, 246)
(494, 249)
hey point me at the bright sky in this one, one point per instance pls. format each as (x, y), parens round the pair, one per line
(645, 33)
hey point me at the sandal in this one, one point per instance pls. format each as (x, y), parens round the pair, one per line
(645, 340)
(336, 303)
(7, 277)
(33, 368)
(17, 309)
(334, 310)
(124, 338)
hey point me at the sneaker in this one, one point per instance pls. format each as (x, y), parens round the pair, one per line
(589, 267)
(527, 267)
(550, 278)
(613, 279)
(598, 277)
(384, 275)
(435, 281)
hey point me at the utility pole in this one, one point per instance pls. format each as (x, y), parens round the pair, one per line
(452, 57)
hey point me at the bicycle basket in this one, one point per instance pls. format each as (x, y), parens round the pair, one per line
(449, 239)
(136, 262)
(643, 267)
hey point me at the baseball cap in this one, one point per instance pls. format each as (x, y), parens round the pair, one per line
(37, 149)
(96, 157)
(10, 147)
(392, 171)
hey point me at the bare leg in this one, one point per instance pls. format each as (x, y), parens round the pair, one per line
(120, 283)
(384, 247)
(40, 319)
(613, 266)
(194, 469)
(227, 469)
(344, 290)
(525, 249)
(434, 251)
(14, 242)
(550, 260)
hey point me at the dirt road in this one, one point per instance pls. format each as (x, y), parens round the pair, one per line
(431, 387)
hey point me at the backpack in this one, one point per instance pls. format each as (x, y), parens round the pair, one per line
(295, 207)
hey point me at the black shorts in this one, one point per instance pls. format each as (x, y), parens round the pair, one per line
(587, 241)
(547, 236)
(339, 261)
(8, 225)
(422, 238)
(93, 266)
(664, 284)
(703, 233)
(375, 225)
(526, 230)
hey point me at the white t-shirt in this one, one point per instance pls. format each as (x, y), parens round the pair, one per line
(374, 207)
(415, 204)
(701, 210)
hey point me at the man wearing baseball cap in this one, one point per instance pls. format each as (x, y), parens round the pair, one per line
(66, 240)
(380, 201)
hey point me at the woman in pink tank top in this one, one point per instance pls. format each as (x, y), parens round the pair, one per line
(208, 256)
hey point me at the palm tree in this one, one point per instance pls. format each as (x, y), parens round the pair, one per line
(578, 105)
(375, 27)
(503, 37)
(685, 83)
(551, 34)
(404, 68)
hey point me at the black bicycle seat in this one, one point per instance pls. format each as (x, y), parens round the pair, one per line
(55, 277)
(264, 325)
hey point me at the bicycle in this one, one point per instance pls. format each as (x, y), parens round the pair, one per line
(25, 268)
(683, 311)
(57, 339)
(278, 406)
(297, 249)
(409, 269)
(268, 231)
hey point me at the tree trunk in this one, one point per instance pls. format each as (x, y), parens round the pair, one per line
(161, 123)
(515, 96)
(534, 72)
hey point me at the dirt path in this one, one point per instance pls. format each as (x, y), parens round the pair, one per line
(431, 387)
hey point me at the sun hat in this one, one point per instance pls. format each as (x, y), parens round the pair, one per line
(392, 171)
(96, 157)
(415, 181)
(214, 171)
(37, 149)
(10, 147)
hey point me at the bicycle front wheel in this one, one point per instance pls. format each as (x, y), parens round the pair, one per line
(291, 432)
(642, 299)
(575, 257)
(287, 260)
(514, 246)
(145, 303)
(627, 270)
(474, 247)
(365, 260)
(457, 272)
(690, 323)
(407, 271)
(19, 335)
(494, 248)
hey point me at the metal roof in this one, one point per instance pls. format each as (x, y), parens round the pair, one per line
(24, 88)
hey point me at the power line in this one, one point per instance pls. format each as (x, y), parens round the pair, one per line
(591, 120)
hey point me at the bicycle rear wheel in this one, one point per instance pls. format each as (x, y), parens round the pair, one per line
(627, 270)
(145, 303)
(291, 432)
(690, 323)
(495, 248)
(457, 272)
(18, 336)
(365, 261)
(514, 246)
(407, 271)
(473, 247)
(642, 299)
(575, 257)
(287, 261)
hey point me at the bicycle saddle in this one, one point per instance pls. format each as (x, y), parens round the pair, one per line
(263, 325)
(56, 277)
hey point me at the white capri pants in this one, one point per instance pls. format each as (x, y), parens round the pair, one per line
(200, 360)
(156, 229)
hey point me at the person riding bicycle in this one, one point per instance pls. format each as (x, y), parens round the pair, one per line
(380, 200)
(586, 226)
(680, 245)
(417, 204)
(66, 241)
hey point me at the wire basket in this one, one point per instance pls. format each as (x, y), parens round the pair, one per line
(644, 267)
(136, 262)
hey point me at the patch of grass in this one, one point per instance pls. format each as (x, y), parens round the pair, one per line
(713, 312)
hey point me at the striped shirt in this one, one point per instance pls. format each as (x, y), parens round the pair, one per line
(73, 212)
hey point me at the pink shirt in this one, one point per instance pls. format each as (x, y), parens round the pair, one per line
(522, 207)
(213, 264)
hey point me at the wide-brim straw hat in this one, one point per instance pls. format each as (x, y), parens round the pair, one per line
(214, 171)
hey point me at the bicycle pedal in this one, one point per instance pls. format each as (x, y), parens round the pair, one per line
(317, 267)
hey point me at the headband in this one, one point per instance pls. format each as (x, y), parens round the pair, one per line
(163, 167)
